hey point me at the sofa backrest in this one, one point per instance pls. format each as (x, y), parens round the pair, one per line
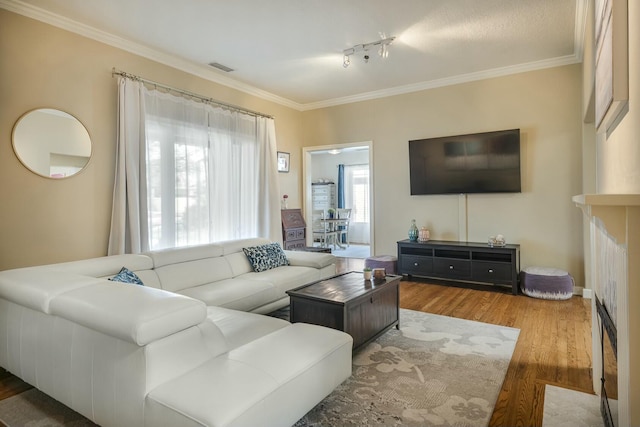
(181, 268)
(106, 266)
(188, 267)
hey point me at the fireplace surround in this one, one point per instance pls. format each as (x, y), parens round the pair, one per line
(614, 227)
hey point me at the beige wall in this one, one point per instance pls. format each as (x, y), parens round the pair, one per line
(44, 220)
(545, 105)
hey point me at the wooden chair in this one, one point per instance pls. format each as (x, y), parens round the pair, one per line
(343, 227)
(322, 231)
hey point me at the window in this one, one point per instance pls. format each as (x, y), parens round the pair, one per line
(202, 180)
(190, 172)
(357, 192)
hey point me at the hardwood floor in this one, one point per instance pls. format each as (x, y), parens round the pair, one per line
(554, 346)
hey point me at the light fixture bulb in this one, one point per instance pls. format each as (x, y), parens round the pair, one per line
(346, 61)
(384, 51)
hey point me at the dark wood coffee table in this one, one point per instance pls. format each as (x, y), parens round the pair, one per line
(364, 309)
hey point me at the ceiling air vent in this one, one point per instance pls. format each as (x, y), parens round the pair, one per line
(221, 67)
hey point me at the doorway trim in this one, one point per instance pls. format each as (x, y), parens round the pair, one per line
(307, 152)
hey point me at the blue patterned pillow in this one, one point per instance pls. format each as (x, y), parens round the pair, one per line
(127, 276)
(266, 257)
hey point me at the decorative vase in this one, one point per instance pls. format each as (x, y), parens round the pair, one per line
(413, 231)
(423, 235)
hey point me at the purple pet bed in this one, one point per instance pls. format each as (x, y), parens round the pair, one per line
(388, 262)
(546, 283)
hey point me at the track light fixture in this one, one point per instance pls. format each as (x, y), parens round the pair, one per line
(382, 45)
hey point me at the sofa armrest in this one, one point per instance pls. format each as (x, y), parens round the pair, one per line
(310, 259)
(133, 313)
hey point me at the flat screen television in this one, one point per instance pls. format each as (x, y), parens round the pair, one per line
(486, 162)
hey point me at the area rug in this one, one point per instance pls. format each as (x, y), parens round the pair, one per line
(434, 371)
(569, 408)
(33, 408)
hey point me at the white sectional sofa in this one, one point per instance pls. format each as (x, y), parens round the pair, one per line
(182, 350)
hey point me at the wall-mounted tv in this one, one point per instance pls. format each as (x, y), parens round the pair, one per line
(486, 162)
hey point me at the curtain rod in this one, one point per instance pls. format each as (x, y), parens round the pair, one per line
(115, 72)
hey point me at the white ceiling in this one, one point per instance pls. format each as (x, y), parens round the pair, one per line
(290, 51)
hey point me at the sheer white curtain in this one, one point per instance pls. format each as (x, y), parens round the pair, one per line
(210, 174)
(356, 192)
(235, 171)
(177, 147)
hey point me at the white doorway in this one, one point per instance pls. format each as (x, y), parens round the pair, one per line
(321, 165)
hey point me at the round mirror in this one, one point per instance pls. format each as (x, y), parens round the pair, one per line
(51, 143)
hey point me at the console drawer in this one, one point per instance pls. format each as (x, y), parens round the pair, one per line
(447, 267)
(418, 265)
(492, 272)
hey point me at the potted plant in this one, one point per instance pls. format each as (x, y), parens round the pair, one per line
(331, 212)
(367, 273)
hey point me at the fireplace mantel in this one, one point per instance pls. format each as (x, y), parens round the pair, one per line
(619, 216)
(611, 209)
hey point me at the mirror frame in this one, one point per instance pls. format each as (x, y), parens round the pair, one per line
(31, 168)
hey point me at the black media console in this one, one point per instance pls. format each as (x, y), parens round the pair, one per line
(460, 262)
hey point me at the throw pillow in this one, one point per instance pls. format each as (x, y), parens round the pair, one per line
(127, 276)
(266, 257)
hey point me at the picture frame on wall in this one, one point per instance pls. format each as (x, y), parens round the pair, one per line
(283, 161)
(612, 64)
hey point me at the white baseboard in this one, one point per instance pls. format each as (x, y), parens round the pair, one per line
(586, 293)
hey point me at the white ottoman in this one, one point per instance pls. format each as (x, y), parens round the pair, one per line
(546, 283)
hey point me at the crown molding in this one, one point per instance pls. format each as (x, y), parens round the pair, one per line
(448, 81)
(206, 73)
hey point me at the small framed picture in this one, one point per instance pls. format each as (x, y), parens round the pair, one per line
(283, 161)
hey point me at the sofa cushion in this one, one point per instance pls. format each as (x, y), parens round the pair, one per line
(149, 278)
(266, 257)
(256, 384)
(240, 328)
(285, 278)
(310, 259)
(172, 356)
(239, 263)
(127, 276)
(237, 293)
(137, 314)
